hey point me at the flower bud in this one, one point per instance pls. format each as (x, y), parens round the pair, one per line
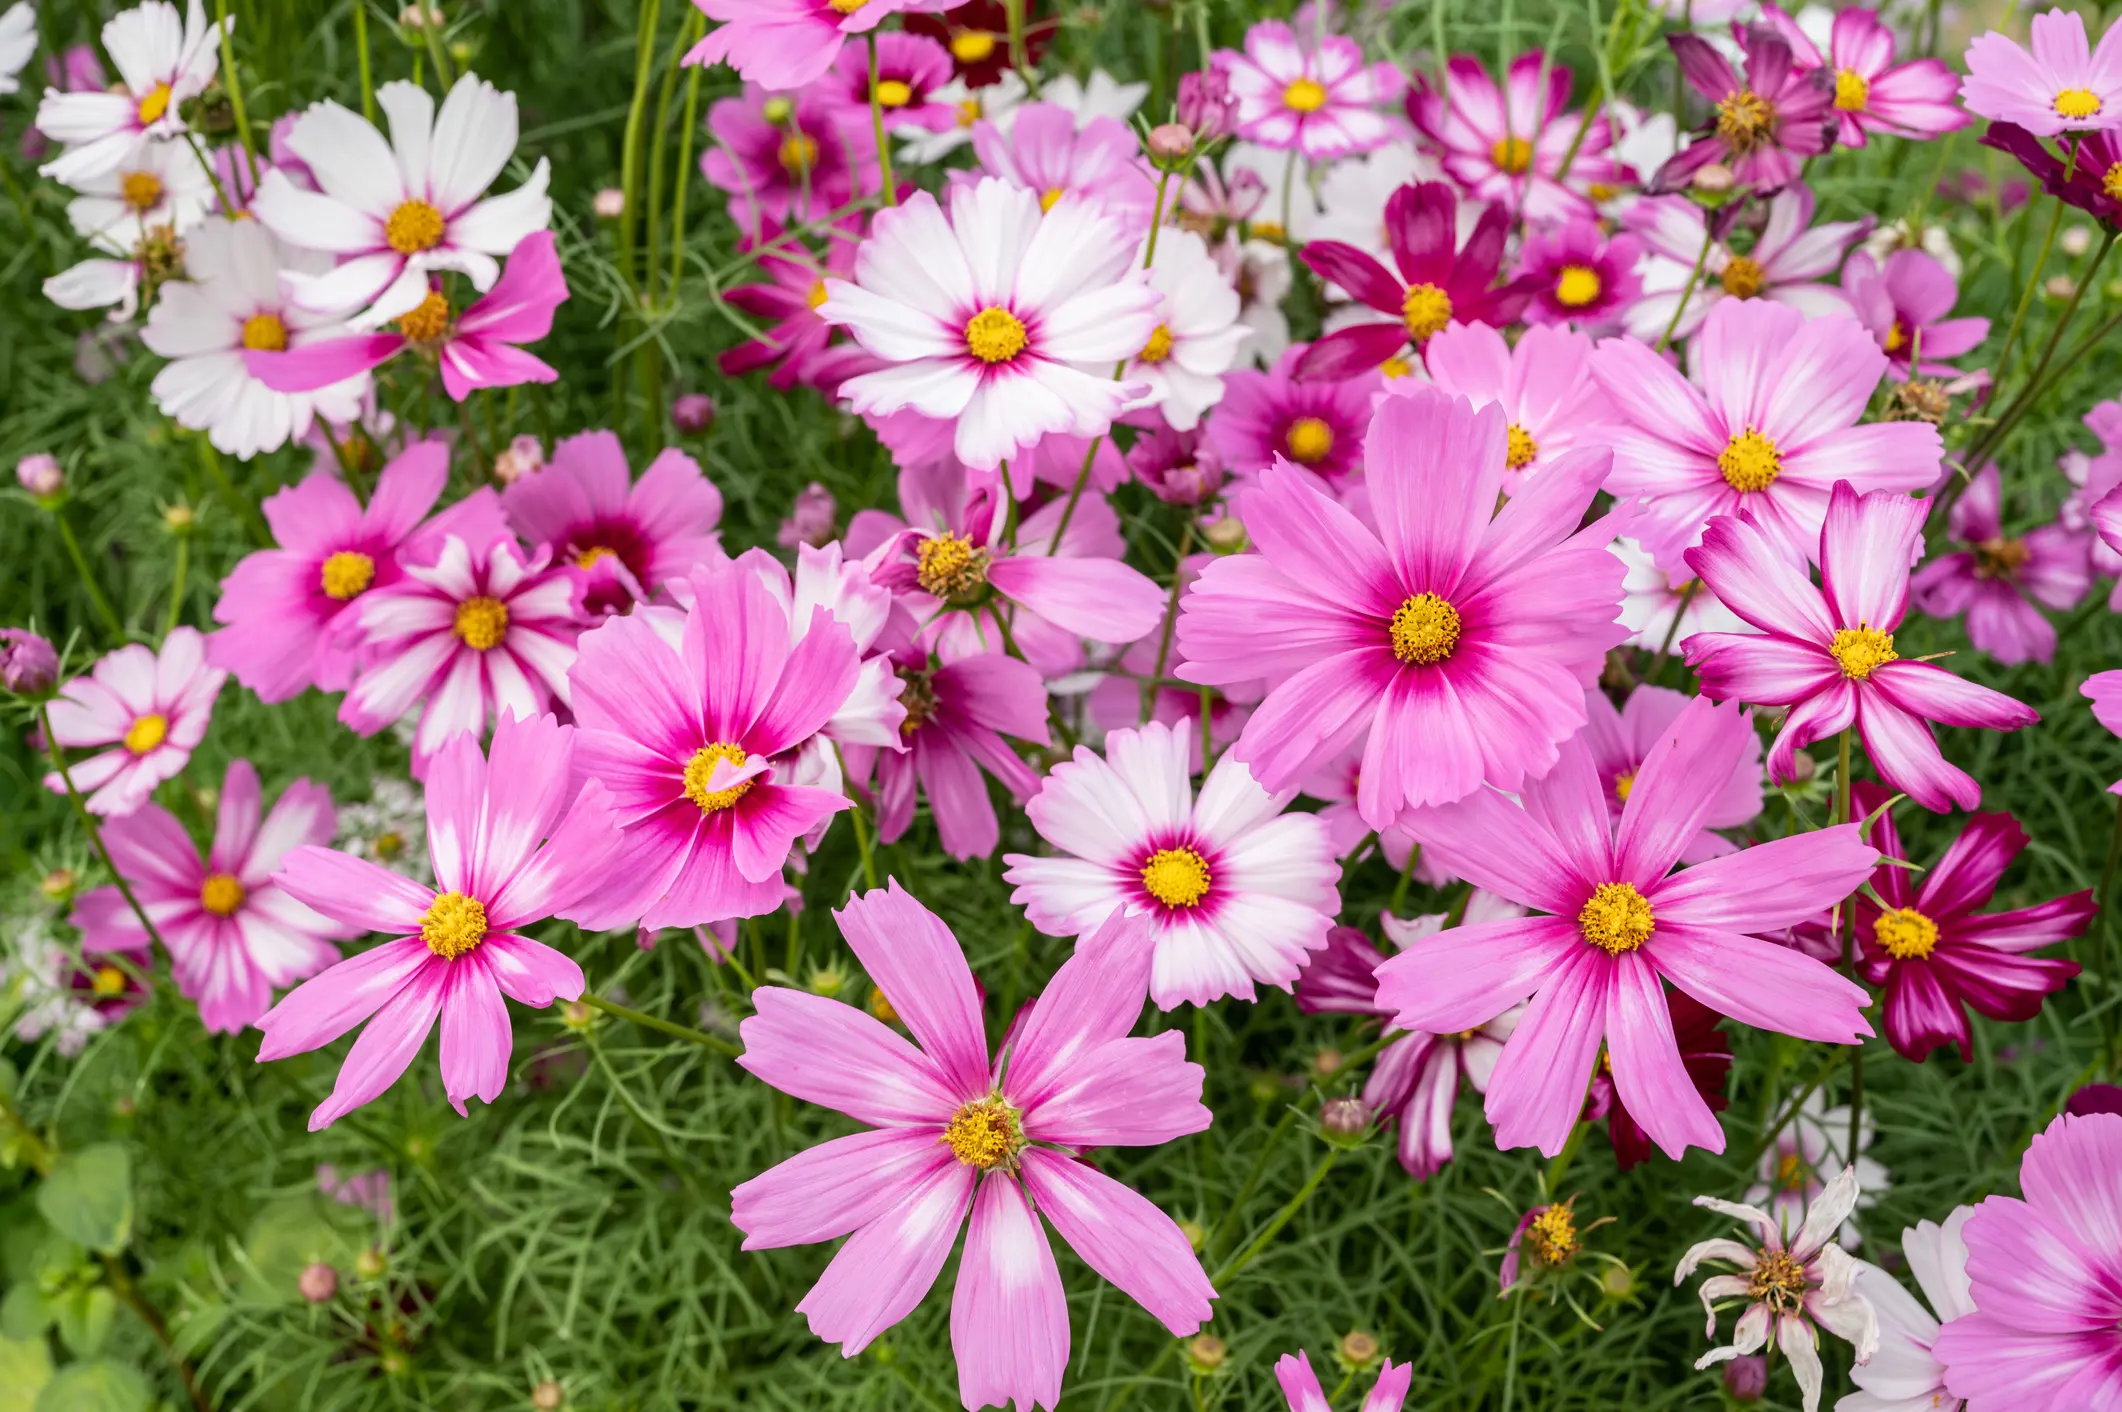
(2060, 286)
(40, 474)
(777, 110)
(1802, 767)
(577, 1015)
(1713, 179)
(1358, 1349)
(420, 17)
(58, 884)
(2094, 1098)
(693, 413)
(810, 520)
(370, 1264)
(1326, 1063)
(2076, 240)
(1169, 142)
(1345, 1117)
(1746, 1378)
(518, 459)
(318, 1282)
(1196, 1234)
(1205, 1353)
(1205, 103)
(609, 204)
(179, 519)
(548, 1396)
(1226, 535)
(28, 665)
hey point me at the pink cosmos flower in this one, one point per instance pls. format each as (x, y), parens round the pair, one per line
(1620, 928)
(624, 539)
(1265, 416)
(1935, 958)
(1003, 316)
(234, 934)
(2045, 1333)
(479, 635)
(2064, 85)
(1787, 263)
(1828, 652)
(1905, 307)
(1322, 100)
(478, 348)
(368, 1191)
(290, 610)
(1767, 427)
(1458, 639)
(1872, 92)
(1543, 384)
(788, 160)
(1766, 121)
(1621, 742)
(1439, 282)
(1705, 1052)
(1508, 149)
(2002, 582)
(798, 344)
(1415, 1081)
(2104, 690)
(1905, 1371)
(1045, 152)
(151, 707)
(512, 841)
(683, 718)
(788, 44)
(947, 1133)
(1236, 890)
(1574, 273)
(1300, 1385)
(911, 69)
(2083, 183)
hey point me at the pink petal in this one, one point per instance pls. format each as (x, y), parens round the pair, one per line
(826, 1191)
(386, 1046)
(1434, 467)
(1681, 777)
(1123, 1236)
(1500, 848)
(354, 891)
(1759, 983)
(529, 972)
(1008, 1314)
(1537, 1091)
(1464, 977)
(911, 956)
(1653, 1083)
(887, 1267)
(476, 1038)
(825, 1052)
(1102, 599)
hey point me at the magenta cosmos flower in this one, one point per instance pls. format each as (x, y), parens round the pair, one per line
(2064, 85)
(234, 934)
(1439, 282)
(1767, 428)
(2045, 1334)
(1236, 890)
(623, 538)
(1621, 741)
(1004, 317)
(1458, 639)
(1574, 273)
(151, 707)
(797, 344)
(1766, 121)
(1620, 928)
(1828, 652)
(1543, 384)
(1301, 1390)
(1905, 305)
(790, 160)
(512, 841)
(912, 69)
(1935, 958)
(1506, 147)
(1045, 151)
(2002, 582)
(1872, 92)
(1316, 425)
(949, 1133)
(787, 44)
(682, 717)
(1320, 99)
(481, 634)
(289, 610)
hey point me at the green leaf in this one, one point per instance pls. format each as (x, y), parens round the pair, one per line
(85, 1318)
(25, 1367)
(89, 1197)
(25, 1313)
(98, 1385)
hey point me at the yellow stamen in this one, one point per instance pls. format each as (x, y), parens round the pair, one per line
(1425, 630)
(107, 982)
(968, 112)
(1522, 448)
(894, 93)
(1511, 154)
(482, 622)
(146, 733)
(1269, 231)
(1623, 783)
(1790, 1172)
(453, 924)
(1051, 197)
(1906, 934)
(1577, 287)
(1863, 650)
(1396, 367)
(587, 558)
(846, 7)
(951, 567)
(1743, 118)
(347, 574)
(2001, 558)
(1742, 278)
(1176, 877)
(221, 894)
(265, 333)
(1750, 462)
(881, 1006)
(1616, 918)
(2077, 103)
(1896, 336)
(701, 769)
(2112, 182)
(798, 153)
(1304, 95)
(1852, 91)
(428, 320)
(1426, 309)
(1159, 346)
(985, 1134)
(1553, 1235)
(415, 226)
(142, 191)
(1309, 440)
(1778, 1281)
(156, 103)
(970, 46)
(995, 335)
(387, 846)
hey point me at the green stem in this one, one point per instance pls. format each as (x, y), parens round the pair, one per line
(1510, 1364)
(652, 217)
(869, 862)
(176, 588)
(654, 1022)
(94, 590)
(2033, 276)
(1171, 615)
(129, 1294)
(2105, 897)
(1282, 1218)
(2034, 380)
(260, 532)
(876, 122)
(445, 75)
(630, 145)
(368, 81)
(1694, 278)
(684, 179)
(1844, 786)
(234, 88)
(95, 834)
(1567, 1155)
(1827, 1066)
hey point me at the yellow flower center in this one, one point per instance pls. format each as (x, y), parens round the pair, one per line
(1790, 1172)
(701, 768)
(415, 226)
(1616, 919)
(1906, 934)
(156, 104)
(951, 567)
(846, 7)
(1522, 448)
(1896, 336)
(1777, 1281)
(985, 1134)
(1051, 197)
(1743, 117)
(2077, 103)
(107, 982)
(798, 153)
(1742, 278)
(1176, 877)
(453, 924)
(1159, 346)
(428, 320)
(587, 558)
(1863, 650)
(1427, 309)
(1512, 154)
(1750, 462)
(1309, 440)
(1577, 287)
(994, 335)
(265, 332)
(1269, 231)
(221, 894)
(146, 733)
(1623, 783)
(968, 112)
(1425, 629)
(347, 574)
(1396, 367)
(482, 622)
(1553, 1235)
(141, 190)
(2112, 182)
(894, 93)
(2001, 558)
(1305, 95)
(1852, 91)
(970, 46)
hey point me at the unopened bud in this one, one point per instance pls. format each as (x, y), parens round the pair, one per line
(577, 1015)
(318, 1282)
(1713, 179)
(1169, 142)
(1196, 1234)
(394, 1362)
(2076, 240)
(1358, 1349)
(827, 981)
(810, 520)
(548, 1396)
(1345, 1117)
(1802, 767)
(519, 458)
(1746, 1378)
(370, 1264)
(1205, 1353)
(420, 17)
(58, 884)
(28, 664)
(609, 204)
(2060, 286)
(1617, 1281)
(777, 110)
(693, 413)
(1226, 535)
(179, 519)
(40, 474)
(1327, 1063)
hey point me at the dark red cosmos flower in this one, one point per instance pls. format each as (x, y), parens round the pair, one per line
(2093, 184)
(977, 35)
(1439, 282)
(1765, 121)
(1705, 1051)
(1935, 957)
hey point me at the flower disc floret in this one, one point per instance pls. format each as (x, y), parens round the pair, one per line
(156, 103)
(1426, 310)
(1862, 650)
(985, 1134)
(2077, 104)
(1750, 461)
(1852, 91)
(701, 769)
(1577, 286)
(427, 321)
(1778, 1281)
(221, 894)
(453, 925)
(146, 733)
(1159, 346)
(1512, 154)
(1425, 630)
(1906, 934)
(142, 191)
(951, 567)
(995, 335)
(265, 332)
(1742, 278)
(482, 622)
(894, 93)
(1521, 448)
(415, 226)
(1304, 95)
(1616, 918)
(1309, 439)
(1744, 119)
(346, 574)
(1176, 877)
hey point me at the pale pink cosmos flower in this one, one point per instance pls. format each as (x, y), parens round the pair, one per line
(1003, 317)
(151, 707)
(1873, 93)
(234, 934)
(1543, 383)
(788, 44)
(1621, 741)
(1301, 1390)
(1790, 262)
(2002, 582)
(1766, 427)
(1790, 1283)
(1651, 601)
(399, 211)
(684, 718)
(1457, 640)
(2063, 85)
(1828, 652)
(2104, 690)
(1045, 152)
(1322, 99)
(1506, 146)
(624, 538)
(949, 1132)
(1236, 889)
(1905, 305)
(479, 635)
(163, 62)
(1904, 1374)
(513, 841)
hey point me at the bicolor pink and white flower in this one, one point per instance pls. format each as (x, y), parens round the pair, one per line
(789, 44)
(1622, 740)
(1507, 145)
(513, 841)
(163, 62)
(1800, 1162)
(1301, 1390)
(1543, 383)
(1904, 1374)
(2002, 582)
(2059, 83)
(1915, 99)
(1321, 100)
(151, 707)
(1045, 150)
(1790, 262)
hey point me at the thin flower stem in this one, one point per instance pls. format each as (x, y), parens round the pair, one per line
(1694, 278)
(2105, 897)
(653, 1022)
(1296, 1203)
(684, 178)
(445, 75)
(1844, 789)
(260, 532)
(1171, 615)
(176, 587)
(1560, 1166)
(1827, 1066)
(2033, 275)
(89, 585)
(2034, 383)
(368, 81)
(652, 216)
(1510, 1359)
(630, 143)
(869, 862)
(88, 821)
(876, 122)
(234, 88)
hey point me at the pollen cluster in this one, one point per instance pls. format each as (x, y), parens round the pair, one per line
(1577, 286)
(948, 566)
(146, 733)
(995, 335)
(2077, 103)
(482, 622)
(701, 769)
(1617, 918)
(1159, 346)
(221, 894)
(1552, 1235)
(1777, 1281)
(1309, 440)
(985, 1134)
(1743, 119)
(894, 93)
(264, 332)
(1852, 91)
(142, 191)
(1425, 630)
(428, 320)
(1522, 448)
(1905, 934)
(415, 226)
(1862, 650)
(970, 46)
(1176, 877)
(798, 153)
(1742, 278)
(156, 103)
(1304, 95)
(1750, 462)
(1511, 154)
(453, 924)
(1426, 310)
(346, 574)
(2001, 558)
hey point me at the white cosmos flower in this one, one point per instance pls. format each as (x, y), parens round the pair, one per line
(394, 211)
(135, 215)
(1904, 1375)
(1353, 193)
(997, 103)
(161, 60)
(1000, 317)
(1103, 97)
(233, 300)
(1259, 271)
(1197, 335)
(18, 42)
